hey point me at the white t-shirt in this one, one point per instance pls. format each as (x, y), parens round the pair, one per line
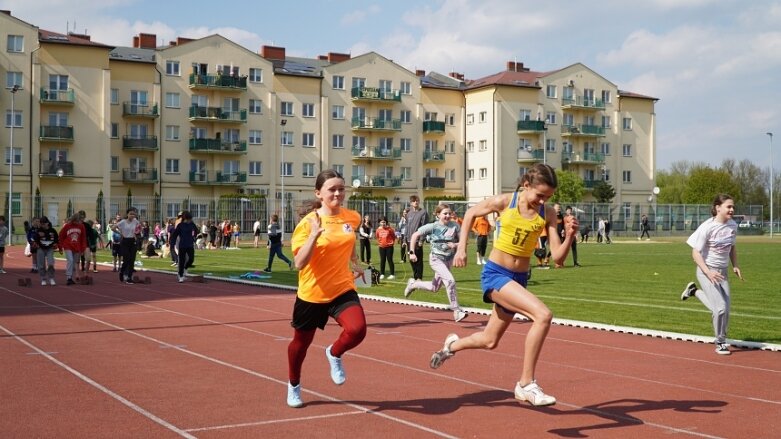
(714, 241)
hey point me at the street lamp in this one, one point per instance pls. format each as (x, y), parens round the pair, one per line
(771, 183)
(11, 166)
(283, 122)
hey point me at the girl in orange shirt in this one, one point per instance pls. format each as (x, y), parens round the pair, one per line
(386, 237)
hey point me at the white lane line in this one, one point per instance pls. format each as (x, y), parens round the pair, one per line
(100, 387)
(276, 421)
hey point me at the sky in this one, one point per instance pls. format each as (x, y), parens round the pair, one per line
(711, 63)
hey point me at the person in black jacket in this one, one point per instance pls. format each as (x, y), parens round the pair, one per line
(183, 242)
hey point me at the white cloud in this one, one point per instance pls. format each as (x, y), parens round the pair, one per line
(359, 15)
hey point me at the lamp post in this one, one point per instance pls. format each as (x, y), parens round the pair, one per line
(771, 183)
(11, 167)
(283, 122)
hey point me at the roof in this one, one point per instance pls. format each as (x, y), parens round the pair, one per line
(47, 36)
(438, 80)
(133, 54)
(300, 66)
(510, 78)
(629, 94)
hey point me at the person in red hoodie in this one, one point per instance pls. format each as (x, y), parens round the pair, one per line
(73, 241)
(386, 237)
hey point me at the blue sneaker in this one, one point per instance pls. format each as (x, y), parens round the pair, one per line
(294, 396)
(337, 371)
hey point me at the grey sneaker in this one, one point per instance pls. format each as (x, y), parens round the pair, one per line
(409, 289)
(723, 349)
(533, 394)
(689, 291)
(440, 357)
(294, 396)
(337, 370)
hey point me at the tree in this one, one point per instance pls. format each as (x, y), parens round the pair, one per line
(604, 192)
(705, 183)
(99, 211)
(749, 179)
(571, 187)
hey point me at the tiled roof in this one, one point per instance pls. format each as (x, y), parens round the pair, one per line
(133, 54)
(630, 94)
(517, 79)
(47, 36)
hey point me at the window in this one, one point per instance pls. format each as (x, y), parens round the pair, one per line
(568, 119)
(550, 145)
(13, 119)
(566, 147)
(428, 115)
(286, 169)
(339, 169)
(450, 174)
(605, 121)
(255, 168)
(482, 117)
(627, 176)
(406, 144)
(385, 114)
(627, 150)
(287, 138)
(337, 82)
(255, 74)
(171, 166)
(114, 130)
(550, 118)
(483, 173)
(114, 163)
(470, 119)
(13, 79)
(470, 174)
(286, 108)
(406, 116)
(137, 131)
(255, 137)
(386, 85)
(172, 132)
(172, 68)
(568, 93)
(255, 106)
(627, 123)
(230, 167)
(470, 146)
(199, 101)
(405, 88)
(17, 155)
(450, 119)
(308, 110)
(359, 82)
(606, 98)
(114, 96)
(172, 100)
(606, 174)
(450, 146)
(308, 140)
(525, 115)
(337, 141)
(483, 145)
(15, 43)
(337, 112)
(550, 91)
(359, 142)
(406, 173)
(308, 170)
(605, 148)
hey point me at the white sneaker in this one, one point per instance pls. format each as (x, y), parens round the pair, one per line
(439, 357)
(391, 277)
(533, 394)
(51, 282)
(689, 291)
(294, 396)
(43, 282)
(337, 370)
(382, 276)
(409, 289)
(181, 279)
(459, 314)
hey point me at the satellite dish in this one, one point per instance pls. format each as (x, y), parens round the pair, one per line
(356, 183)
(656, 190)
(60, 172)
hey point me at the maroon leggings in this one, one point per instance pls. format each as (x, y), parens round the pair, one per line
(353, 323)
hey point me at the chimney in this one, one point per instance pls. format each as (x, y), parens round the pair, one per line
(322, 57)
(182, 40)
(82, 36)
(273, 52)
(420, 73)
(334, 57)
(5, 11)
(455, 75)
(145, 41)
(510, 66)
(520, 68)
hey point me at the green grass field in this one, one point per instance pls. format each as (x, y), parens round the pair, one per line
(627, 283)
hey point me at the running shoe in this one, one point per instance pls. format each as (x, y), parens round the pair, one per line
(294, 396)
(181, 279)
(70, 282)
(459, 314)
(409, 289)
(391, 277)
(382, 276)
(43, 282)
(689, 291)
(440, 357)
(723, 349)
(533, 394)
(337, 370)
(52, 283)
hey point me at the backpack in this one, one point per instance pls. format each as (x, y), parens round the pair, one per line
(375, 275)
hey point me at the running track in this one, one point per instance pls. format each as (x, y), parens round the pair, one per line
(209, 360)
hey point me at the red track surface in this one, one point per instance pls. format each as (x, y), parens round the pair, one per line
(210, 360)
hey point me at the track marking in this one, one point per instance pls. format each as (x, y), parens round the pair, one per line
(276, 421)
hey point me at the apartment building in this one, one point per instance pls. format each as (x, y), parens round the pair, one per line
(194, 119)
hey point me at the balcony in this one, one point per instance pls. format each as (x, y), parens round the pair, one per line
(434, 156)
(581, 103)
(58, 97)
(130, 175)
(140, 143)
(531, 126)
(56, 168)
(582, 130)
(433, 127)
(589, 184)
(218, 146)
(378, 181)
(588, 158)
(534, 156)
(374, 94)
(224, 82)
(376, 153)
(375, 124)
(217, 114)
(130, 109)
(56, 133)
(218, 178)
(433, 182)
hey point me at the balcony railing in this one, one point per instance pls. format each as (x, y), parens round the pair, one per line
(56, 168)
(433, 127)
(218, 146)
(217, 178)
(218, 81)
(375, 94)
(140, 143)
(376, 124)
(433, 182)
(582, 158)
(378, 181)
(533, 156)
(66, 97)
(582, 130)
(217, 114)
(148, 175)
(589, 184)
(139, 110)
(531, 126)
(582, 102)
(376, 153)
(56, 133)
(434, 156)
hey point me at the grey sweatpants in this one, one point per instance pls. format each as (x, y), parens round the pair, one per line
(717, 299)
(442, 275)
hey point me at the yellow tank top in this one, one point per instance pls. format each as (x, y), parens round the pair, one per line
(517, 235)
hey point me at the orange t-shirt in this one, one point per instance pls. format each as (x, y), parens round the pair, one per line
(481, 226)
(328, 274)
(386, 237)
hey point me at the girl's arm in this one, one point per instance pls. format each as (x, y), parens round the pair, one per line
(559, 249)
(304, 253)
(733, 257)
(489, 205)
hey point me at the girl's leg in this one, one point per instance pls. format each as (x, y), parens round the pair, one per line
(70, 264)
(389, 257)
(353, 323)
(383, 259)
(717, 299)
(489, 337)
(296, 353)
(40, 257)
(272, 251)
(443, 276)
(282, 256)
